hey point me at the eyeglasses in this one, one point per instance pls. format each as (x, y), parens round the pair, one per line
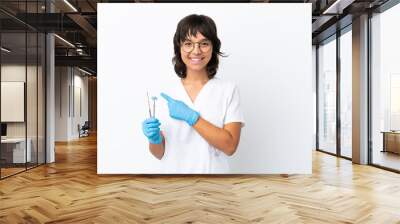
(204, 46)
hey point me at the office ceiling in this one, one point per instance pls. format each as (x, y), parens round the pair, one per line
(77, 22)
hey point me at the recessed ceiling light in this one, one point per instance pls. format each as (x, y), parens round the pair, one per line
(337, 7)
(70, 5)
(64, 40)
(5, 50)
(84, 71)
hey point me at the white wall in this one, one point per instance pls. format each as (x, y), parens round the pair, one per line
(314, 86)
(269, 59)
(61, 103)
(80, 88)
(69, 81)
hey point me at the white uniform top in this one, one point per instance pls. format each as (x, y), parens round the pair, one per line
(185, 150)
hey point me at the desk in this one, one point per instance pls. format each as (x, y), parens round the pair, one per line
(391, 141)
(15, 148)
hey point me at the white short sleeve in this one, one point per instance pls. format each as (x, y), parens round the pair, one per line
(233, 110)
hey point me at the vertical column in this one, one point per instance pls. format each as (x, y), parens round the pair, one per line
(338, 96)
(50, 92)
(360, 90)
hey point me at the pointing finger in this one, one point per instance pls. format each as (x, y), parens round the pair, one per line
(166, 97)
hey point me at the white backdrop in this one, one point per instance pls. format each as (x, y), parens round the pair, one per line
(269, 48)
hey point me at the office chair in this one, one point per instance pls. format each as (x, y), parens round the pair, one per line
(84, 130)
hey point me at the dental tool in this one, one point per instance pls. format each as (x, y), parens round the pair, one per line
(154, 98)
(148, 103)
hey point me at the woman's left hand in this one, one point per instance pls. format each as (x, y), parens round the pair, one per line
(180, 111)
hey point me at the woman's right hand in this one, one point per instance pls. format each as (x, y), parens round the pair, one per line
(151, 129)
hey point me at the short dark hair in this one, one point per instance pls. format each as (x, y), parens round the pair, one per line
(190, 26)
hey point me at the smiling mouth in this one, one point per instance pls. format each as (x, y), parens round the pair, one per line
(195, 60)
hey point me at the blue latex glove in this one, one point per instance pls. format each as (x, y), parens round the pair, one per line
(180, 111)
(151, 129)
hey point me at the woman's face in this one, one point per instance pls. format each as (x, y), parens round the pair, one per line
(196, 52)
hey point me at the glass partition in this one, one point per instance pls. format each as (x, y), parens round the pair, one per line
(13, 109)
(32, 95)
(327, 96)
(22, 67)
(41, 91)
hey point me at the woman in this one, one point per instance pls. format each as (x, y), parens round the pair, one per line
(205, 119)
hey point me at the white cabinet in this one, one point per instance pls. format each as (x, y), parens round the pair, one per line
(18, 149)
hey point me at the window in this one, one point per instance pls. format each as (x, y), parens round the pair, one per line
(346, 94)
(385, 88)
(327, 96)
